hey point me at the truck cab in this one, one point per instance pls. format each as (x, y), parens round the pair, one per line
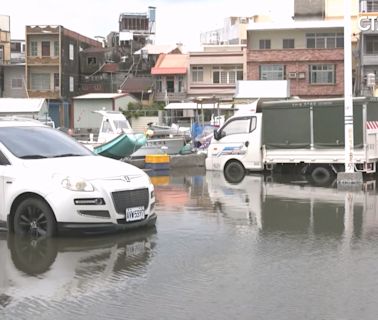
(236, 146)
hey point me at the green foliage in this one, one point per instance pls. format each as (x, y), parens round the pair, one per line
(136, 110)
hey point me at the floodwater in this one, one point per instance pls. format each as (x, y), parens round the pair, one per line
(264, 248)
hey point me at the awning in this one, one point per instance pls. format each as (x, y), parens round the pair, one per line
(161, 71)
(195, 106)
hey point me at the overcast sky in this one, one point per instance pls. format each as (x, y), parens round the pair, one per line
(176, 20)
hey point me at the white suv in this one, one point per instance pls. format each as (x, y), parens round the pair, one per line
(49, 183)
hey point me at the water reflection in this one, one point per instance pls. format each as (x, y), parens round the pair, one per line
(284, 204)
(277, 247)
(55, 268)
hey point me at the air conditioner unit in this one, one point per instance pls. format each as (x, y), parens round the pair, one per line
(292, 75)
(370, 80)
(301, 75)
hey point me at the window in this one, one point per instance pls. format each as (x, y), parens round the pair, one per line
(92, 60)
(71, 56)
(56, 81)
(324, 40)
(170, 84)
(288, 43)
(17, 83)
(16, 47)
(180, 84)
(45, 48)
(322, 74)
(56, 48)
(40, 81)
(71, 84)
(1, 54)
(197, 74)
(264, 44)
(372, 5)
(33, 48)
(239, 126)
(227, 74)
(272, 72)
(106, 127)
(159, 84)
(371, 45)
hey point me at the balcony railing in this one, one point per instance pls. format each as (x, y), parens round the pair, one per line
(37, 60)
(172, 96)
(44, 94)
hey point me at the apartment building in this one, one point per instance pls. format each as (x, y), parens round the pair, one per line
(52, 67)
(4, 48)
(307, 49)
(215, 71)
(234, 31)
(170, 77)
(5, 42)
(308, 53)
(367, 73)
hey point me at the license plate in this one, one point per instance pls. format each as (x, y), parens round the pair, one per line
(134, 214)
(135, 248)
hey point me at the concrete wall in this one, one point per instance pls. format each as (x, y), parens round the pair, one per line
(85, 118)
(12, 72)
(122, 102)
(277, 36)
(139, 124)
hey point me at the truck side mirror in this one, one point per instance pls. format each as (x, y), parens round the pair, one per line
(219, 134)
(216, 134)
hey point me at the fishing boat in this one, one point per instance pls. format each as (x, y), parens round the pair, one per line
(116, 138)
(122, 146)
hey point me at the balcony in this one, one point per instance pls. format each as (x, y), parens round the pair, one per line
(44, 94)
(369, 60)
(211, 89)
(51, 61)
(172, 96)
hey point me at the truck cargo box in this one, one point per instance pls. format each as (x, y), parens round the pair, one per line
(314, 123)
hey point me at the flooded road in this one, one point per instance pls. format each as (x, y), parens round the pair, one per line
(263, 248)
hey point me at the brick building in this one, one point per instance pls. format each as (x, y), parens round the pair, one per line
(310, 54)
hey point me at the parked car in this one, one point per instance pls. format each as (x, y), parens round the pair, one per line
(50, 183)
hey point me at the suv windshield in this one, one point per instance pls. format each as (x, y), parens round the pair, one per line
(40, 142)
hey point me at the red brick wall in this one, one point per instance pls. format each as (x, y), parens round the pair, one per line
(298, 60)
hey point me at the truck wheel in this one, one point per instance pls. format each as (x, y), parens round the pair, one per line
(34, 217)
(321, 175)
(234, 172)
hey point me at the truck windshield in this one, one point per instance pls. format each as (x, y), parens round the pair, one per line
(238, 125)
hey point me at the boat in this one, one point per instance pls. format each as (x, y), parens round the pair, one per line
(162, 131)
(169, 145)
(116, 138)
(122, 146)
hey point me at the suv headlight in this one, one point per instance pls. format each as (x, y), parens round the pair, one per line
(77, 184)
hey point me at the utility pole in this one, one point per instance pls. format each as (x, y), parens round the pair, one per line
(349, 176)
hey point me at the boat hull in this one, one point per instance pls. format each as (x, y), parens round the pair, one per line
(160, 146)
(122, 146)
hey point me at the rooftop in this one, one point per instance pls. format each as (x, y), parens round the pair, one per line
(171, 64)
(162, 48)
(291, 24)
(101, 96)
